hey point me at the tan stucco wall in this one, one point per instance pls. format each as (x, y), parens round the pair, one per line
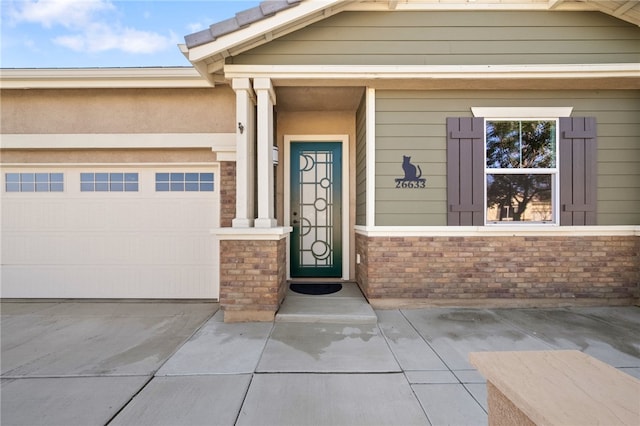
(319, 123)
(63, 111)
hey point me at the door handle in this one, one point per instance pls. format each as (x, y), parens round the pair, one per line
(295, 221)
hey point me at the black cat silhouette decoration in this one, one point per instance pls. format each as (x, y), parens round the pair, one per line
(412, 175)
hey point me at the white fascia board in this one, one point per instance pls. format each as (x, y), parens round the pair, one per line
(283, 19)
(498, 231)
(91, 78)
(389, 72)
(218, 142)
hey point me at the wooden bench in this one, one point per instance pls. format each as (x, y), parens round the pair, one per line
(556, 388)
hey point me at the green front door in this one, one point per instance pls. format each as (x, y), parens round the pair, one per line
(316, 209)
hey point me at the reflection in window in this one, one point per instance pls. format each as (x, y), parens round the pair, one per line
(521, 171)
(108, 182)
(519, 198)
(521, 144)
(34, 182)
(184, 182)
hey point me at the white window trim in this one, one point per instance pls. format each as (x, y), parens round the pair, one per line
(554, 172)
(519, 112)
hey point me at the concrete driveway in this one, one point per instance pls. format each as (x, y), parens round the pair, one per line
(84, 363)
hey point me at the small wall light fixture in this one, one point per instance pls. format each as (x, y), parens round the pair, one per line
(241, 128)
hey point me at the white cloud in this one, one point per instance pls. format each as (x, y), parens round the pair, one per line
(100, 37)
(93, 26)
(68, 13)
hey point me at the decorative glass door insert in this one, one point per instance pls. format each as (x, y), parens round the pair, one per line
(316, 210)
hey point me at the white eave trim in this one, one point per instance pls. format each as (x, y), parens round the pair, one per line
(221, 143)
(389, 72)
(92, 78)
(283, 22)
(498, 231)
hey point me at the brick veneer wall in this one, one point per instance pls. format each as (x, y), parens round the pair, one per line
(589, 268)
(227, 183)
(252, 278)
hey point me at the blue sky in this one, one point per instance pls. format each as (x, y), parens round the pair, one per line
(104, 33)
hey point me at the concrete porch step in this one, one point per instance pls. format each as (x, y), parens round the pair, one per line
(347, 306)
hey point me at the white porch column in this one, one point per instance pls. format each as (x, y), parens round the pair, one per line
(266, 100)
(245, 141)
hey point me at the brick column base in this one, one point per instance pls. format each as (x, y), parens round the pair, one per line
(252, 278)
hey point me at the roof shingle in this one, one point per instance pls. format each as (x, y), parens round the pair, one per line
(241, 20)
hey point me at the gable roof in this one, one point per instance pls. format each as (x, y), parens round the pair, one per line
(207, 50)
(241, 20)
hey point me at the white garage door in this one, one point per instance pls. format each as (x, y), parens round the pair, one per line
(116, 232)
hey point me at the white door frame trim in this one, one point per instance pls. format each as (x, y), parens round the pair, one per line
(344, 139)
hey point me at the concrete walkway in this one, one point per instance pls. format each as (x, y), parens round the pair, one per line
(66, 363)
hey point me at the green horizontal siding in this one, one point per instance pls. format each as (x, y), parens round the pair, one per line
(454, 37)
(412, 123)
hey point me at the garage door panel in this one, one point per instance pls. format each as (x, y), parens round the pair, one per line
(110, 245)
(107, 249)
(100, 282)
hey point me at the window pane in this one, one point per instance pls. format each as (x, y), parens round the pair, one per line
(131, 177)
(86, 187)
(131, 186)
(206, 186)
(57, 186)
(177, 186)
(42, 186)
(42, 182)
(521, 144)
(191, 186)
(519, 198)
(116, 187)
(503, 144)
(57, 177)
(102, 187)
(86, 177)
(102, 177)
(206, 177)
(117, 177)
(27, 187)
(162, 177)
(538, 144)
(12, 181)
(191, 177)
(162, 186)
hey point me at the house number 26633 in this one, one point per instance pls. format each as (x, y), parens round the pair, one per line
(412, 175)
(418, 184)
